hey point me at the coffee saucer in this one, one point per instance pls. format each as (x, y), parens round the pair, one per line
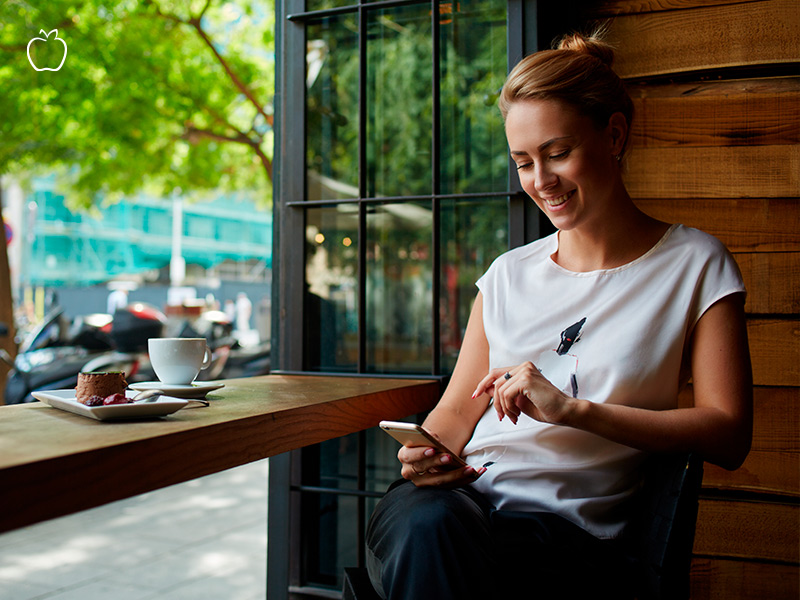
(197, 389)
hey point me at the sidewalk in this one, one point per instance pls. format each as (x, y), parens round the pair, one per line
(203, 539)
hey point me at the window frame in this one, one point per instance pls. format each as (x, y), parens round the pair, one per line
(528, 23)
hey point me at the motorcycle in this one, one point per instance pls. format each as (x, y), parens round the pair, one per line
(54, 352)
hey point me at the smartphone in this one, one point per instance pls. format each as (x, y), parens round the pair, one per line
(410, 434)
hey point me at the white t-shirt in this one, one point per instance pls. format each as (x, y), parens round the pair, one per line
(613, 336)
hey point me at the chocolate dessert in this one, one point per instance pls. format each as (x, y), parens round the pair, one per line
(99, 385)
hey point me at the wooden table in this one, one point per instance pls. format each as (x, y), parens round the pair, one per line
(54, 463)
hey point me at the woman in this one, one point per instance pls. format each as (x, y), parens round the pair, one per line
(568, 377)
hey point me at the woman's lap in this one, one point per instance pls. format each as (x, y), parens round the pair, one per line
(439, 544)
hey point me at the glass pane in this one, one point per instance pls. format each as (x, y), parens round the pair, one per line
(399, 101)
(473, 234)
(399, 288)
(330, 312)
(331, 538)
(332, 108)
(335, 463)
(474, 153)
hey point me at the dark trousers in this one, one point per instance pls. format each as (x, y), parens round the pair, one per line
(453, 544)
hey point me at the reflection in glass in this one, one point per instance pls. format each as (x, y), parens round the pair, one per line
(399, 288)
(473, 234)
(330, 311)
(332, 108)
(399, 101)
(474, 155)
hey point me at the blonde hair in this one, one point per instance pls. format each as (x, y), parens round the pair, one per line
(578, 72)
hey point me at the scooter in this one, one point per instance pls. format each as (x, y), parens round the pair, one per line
(53, 354)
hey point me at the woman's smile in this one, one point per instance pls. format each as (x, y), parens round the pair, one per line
(558, 201)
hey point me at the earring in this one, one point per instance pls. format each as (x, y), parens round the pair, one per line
(618, 157)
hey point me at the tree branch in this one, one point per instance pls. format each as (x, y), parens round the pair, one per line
(194, 22)
(205, 8)
(192, 135)
(240, 137)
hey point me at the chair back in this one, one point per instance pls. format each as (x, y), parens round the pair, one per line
(662, 532)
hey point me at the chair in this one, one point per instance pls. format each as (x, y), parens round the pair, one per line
(661, 533)
(357, 585)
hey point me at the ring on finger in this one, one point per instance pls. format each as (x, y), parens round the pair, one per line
(420, 472)
(507, 376)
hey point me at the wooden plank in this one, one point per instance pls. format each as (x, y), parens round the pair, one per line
(743, 225)
(775, 351)
(612, 8)
(773, 465)
(714, 579)
(740, 113)
(754, 530)
(713, 37)
(765, 472)
(776, 421)
(772, 280)
(714, 172)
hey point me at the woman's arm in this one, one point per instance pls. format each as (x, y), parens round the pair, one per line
(718, 426)
(454, 418)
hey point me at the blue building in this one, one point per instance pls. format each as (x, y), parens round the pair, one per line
(63, 247)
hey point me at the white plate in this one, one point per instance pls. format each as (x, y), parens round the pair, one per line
(65, 400)
(198, 389)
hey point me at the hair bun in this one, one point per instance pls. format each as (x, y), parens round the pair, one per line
(593, 45)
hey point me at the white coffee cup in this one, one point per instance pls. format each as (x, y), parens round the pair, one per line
(177, 361)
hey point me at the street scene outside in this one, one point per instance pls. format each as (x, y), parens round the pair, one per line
(136, 174)
(136, 201)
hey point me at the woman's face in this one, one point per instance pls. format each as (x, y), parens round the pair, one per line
(565, 164)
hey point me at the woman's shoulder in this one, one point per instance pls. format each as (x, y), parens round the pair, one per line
(695, 241)
(507, 266)
(530, 252)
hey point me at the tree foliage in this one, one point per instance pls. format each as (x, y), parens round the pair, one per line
(154, 95)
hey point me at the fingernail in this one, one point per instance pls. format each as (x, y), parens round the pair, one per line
(430, 452)
(445, 459)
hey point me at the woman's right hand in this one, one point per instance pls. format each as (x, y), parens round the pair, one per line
(425, 466)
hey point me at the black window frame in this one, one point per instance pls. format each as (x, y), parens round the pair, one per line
(531, 25)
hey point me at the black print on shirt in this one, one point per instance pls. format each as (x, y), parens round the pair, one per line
(560, 366)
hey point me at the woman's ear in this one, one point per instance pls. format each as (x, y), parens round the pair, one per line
(618, 131)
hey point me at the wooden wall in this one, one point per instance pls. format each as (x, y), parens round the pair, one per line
(716, 85)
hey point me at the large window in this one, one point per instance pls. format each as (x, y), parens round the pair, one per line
(393, 197)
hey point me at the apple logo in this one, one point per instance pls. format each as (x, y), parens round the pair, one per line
(44, 40)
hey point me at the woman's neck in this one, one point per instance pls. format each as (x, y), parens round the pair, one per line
(613, 243)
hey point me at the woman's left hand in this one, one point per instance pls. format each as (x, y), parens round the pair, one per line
(523, 389)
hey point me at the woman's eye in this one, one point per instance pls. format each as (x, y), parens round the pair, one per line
(524, 166)
(559, 155)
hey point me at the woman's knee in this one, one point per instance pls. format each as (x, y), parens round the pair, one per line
(408, 511)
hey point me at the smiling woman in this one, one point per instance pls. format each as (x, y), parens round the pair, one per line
(555, 440)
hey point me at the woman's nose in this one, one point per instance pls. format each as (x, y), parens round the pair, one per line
(544, 178)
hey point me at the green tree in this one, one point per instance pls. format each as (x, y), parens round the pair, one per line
(154, 94)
